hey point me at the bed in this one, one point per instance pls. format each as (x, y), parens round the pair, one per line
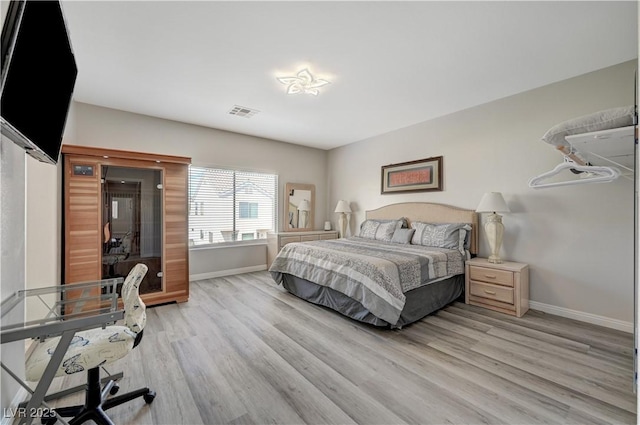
(380, 282)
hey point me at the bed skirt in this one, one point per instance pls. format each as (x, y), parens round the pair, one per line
(419, 302)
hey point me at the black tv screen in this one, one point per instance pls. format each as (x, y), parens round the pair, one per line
(38, 76)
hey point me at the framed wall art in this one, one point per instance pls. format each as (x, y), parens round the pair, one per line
(414, 176)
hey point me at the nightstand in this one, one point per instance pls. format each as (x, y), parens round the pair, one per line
(501, 287)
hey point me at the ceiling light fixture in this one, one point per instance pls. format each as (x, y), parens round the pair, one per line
(303, 82)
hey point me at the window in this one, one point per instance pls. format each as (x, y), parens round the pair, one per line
(240, 205)
(248, 210)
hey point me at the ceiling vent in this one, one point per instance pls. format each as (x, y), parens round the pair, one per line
(243, 111)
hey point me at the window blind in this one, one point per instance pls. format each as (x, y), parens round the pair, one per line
(230, 206)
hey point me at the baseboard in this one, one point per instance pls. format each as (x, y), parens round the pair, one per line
(228, 272)
(20, 396)
(582, 316)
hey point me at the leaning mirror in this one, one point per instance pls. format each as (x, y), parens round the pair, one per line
(299, 205)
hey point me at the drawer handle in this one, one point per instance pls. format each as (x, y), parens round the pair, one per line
(489, 292)
(490, 276)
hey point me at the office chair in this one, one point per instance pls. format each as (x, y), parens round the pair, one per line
(116, 254)
(93, 348)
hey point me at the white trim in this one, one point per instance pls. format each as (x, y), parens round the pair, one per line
(227, 272)
(234, 244)
(620, 325)
(20, 396)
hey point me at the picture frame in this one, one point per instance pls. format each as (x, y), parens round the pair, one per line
(422, 175)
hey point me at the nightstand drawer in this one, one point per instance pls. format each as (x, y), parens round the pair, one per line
(493, 292)
(497, 277)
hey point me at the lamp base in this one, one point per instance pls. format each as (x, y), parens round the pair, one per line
(494, 230)
(342, 223)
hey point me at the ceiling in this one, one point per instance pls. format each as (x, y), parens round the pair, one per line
(390, 64)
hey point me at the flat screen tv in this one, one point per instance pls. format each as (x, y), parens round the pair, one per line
(38, 76)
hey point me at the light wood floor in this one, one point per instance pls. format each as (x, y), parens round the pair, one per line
(244, 351)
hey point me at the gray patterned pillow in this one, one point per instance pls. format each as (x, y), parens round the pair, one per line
(450, 235)
(403, 236)
(380, 230)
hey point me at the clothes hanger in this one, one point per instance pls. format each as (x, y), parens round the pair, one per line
(593, 174)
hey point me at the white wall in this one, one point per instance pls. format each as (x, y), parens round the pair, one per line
(12, 259)
(12, 249)
(109, 128)
(44, 223)
(578, 240)
(29, 240)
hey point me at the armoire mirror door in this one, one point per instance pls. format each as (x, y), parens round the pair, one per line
(132, 223)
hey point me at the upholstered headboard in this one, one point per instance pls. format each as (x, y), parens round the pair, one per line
(430, 213)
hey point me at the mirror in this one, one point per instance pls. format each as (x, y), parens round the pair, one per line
(299, 205)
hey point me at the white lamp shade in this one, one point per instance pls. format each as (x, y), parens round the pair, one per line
(304, 205)
(343, 207)
(492, 202)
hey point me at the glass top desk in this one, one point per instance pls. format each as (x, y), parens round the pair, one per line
(93, 305)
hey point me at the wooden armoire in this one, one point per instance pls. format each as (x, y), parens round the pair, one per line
(121, 208)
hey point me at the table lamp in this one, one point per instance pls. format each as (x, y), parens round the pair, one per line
(493, 202)
(344, 209)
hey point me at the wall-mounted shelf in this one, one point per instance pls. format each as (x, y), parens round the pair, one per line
(614, 147)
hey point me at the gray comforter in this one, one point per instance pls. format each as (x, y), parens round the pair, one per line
(375, 273)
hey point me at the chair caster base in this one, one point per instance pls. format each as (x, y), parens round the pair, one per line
(149, 397)
(114, 389)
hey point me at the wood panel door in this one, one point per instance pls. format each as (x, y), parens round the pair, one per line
(175, 268)
(82, 237)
